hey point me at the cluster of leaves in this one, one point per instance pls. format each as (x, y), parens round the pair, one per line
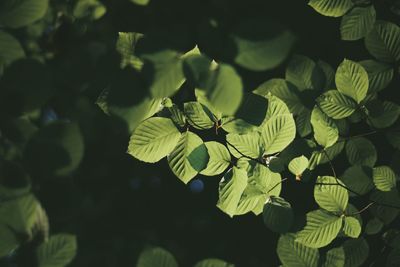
(285, 129)
(156, 256)
(321, 105)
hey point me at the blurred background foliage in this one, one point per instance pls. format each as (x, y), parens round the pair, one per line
(58, 144)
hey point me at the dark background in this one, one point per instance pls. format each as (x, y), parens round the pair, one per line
(117, 205)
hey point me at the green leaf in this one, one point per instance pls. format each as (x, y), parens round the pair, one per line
(358, 178)
(55, 150)
(244, 144)
(383, 41)
(320, 230)
(361, 151)
(201, 98)
(163, 73)
(126, 44)
(384, 213)
(15, 14)
(334, 257)
(141, 2)
(156, 256)
(379, 74)
(276, 107)
(89, 9)
(304, 73)
(198, 115)
(9, 241)
(219, 158)
(278, 215)
(336, 105)
(352, 80)
(189, 157)
(224, 89)
(319, 157)
(277, 133)
(384, 178)
(231, 188)
(121, 101)
(262, 183)
(331, 8)
(373, 226)
(10, 49)
(393, 136)
(329, 73)
(58, 251)
(298, 165)
(256, 40)
(303, 122)
(352, 227)
(284, 90)
(331, 197)
(386, 117)
(231, 124)
(393, 258)
(153, 139)
(326, 133)
(356, 251)
(177, 115)
(295, 254)
(213, 263)
(357, 23)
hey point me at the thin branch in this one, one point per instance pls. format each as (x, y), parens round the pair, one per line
(356, 136)
(284, 179)
(244, 155)
(351, 190)
(363, 209)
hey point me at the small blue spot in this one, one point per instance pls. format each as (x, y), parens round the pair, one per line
(48, 115)
(196, 186)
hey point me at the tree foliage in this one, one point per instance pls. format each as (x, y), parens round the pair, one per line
(190, 97)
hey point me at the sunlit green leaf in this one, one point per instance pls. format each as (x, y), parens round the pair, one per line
(326, 133)
(245, 144)
(352, 80)
(295, 254)
(334, 257)
(384, 178)
(331, 8)
(277, 133)
(231, 188)
(219, 158)
(298, 165)
(188, 157)
(336, 105)
(329, 195)
(198, 116)
(351, 227)
(321, 228)
(125, 46)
